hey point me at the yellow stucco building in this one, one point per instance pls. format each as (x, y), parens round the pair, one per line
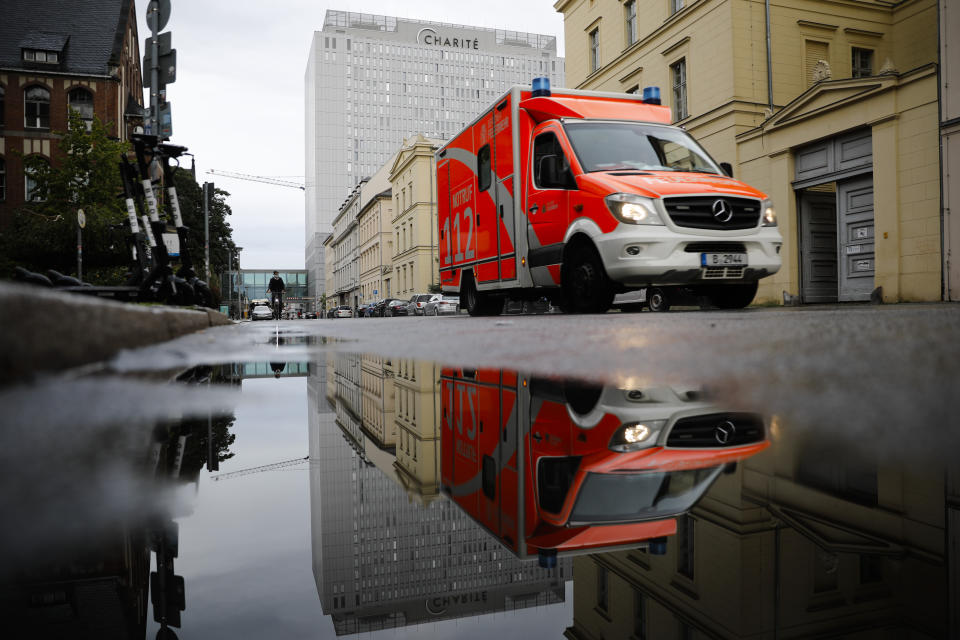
(829, 106)
(414, 261)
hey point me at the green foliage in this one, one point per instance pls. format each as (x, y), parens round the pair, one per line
(84, 175)
(190, 195)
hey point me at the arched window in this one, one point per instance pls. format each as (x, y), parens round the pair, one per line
(30, 185)
(81, 101)
(36, 108)
(3, 180)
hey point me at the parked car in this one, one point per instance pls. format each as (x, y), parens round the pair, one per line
(310, 315)
(442, 305)
(396, 308)
(415, 306)
(331, 312)
(378, 308)
(343, 311)
(364, 309)
(261, 312)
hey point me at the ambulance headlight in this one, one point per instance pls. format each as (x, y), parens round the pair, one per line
(633, 209)
(768, 215)
(634, 436)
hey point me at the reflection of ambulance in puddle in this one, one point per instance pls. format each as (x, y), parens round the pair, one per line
(551, 467)
(580, 195)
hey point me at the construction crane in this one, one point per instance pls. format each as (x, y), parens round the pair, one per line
(266, 467)
(264, 179)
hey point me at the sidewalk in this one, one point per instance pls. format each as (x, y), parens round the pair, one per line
(46, 330)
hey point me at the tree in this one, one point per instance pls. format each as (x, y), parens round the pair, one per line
(84, 175)
(222, 247)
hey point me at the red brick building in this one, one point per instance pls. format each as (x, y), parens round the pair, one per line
(57, 55)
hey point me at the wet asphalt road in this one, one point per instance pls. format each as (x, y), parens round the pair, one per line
(868, 368)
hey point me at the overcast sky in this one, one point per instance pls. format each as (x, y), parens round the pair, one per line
(238, 100)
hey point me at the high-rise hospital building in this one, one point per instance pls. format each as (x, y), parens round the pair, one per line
(373, 80)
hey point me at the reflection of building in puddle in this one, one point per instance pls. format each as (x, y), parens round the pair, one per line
(247, 370)
(810, 539)
(552, 467)
(382, 559)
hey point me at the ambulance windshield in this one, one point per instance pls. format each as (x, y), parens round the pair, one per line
(629, 497)
(618, 146)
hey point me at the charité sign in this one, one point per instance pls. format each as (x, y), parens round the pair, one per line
(431, 38)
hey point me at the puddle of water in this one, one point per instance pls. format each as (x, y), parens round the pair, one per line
(362, 494)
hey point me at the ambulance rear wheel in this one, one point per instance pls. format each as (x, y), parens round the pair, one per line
(477, 303)
(586, 288)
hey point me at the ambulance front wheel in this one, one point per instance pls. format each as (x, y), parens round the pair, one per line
(586, 288)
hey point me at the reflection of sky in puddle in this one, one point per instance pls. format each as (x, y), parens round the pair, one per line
(258, 550)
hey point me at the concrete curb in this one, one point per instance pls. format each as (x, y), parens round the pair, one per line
(45, 330)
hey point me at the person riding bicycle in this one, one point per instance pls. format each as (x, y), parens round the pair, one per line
(276, 287)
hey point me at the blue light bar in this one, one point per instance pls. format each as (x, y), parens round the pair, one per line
(541, 87)
(651, 95)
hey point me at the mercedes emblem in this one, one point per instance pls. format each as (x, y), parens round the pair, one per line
(724, 431)
(722, 210)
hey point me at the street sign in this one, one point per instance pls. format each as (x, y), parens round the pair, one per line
(374, 292)
(166, 121)
(81, 219)
(158, 13)
(167, 68)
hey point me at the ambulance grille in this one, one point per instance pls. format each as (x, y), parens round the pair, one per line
(716, 430)
(722, 273)
(696, 212)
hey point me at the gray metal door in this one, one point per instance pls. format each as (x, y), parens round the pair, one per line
(855, 229)
(818, 228)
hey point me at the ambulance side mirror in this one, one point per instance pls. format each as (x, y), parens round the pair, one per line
(727, 168)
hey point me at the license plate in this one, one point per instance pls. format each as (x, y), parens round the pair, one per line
(723, 259)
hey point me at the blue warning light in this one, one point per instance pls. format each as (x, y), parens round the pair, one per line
(651, 95)
(541, 87)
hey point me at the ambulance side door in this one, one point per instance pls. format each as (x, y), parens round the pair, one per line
(549, 183)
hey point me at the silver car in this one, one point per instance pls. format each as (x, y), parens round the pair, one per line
(261, 312)
(417, 302)
(442, 306)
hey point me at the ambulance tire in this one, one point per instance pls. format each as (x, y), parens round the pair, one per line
(586, 288)
(477, 303)
(732, 296)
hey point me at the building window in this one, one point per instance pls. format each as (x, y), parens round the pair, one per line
(685, 546)
(30, 185)
(81, 101)
(814, 52)
(595, 49)
(602, 589)
(3, 180)
(2, 100)
(675, 5)
(862, 63)
(35, 55)
(36, 108)
(635, 89)
(678, 73)
(630, 11)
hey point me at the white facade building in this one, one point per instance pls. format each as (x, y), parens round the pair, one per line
(373, 80)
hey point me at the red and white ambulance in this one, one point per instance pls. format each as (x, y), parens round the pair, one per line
(580, 195)
(552, 468)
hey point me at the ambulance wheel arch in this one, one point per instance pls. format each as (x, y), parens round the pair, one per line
(583, 279)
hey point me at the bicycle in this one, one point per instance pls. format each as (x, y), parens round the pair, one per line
(277, 305)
